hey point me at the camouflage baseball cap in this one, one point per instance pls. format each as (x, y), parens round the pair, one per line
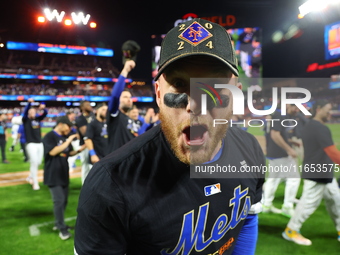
(197, 37)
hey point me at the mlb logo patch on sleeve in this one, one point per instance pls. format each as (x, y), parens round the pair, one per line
(212, 189)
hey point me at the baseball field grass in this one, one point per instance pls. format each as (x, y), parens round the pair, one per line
(26, 218)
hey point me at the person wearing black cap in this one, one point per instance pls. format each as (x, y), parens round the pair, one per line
(141, 198)
(321, 160)
(57, 148)
(119, 125)
(96, 138)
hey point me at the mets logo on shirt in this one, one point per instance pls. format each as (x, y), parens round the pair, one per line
(35, 124)
(212, 189)
(195, 34)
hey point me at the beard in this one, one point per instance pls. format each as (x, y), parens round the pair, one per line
(192, 154)
(102, 117)
(125, 108)
(325, 119)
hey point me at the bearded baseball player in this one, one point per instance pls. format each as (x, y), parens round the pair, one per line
(141, 198)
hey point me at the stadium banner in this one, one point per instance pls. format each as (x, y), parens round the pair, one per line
(60, 48)
(59, 78)
(68, 98)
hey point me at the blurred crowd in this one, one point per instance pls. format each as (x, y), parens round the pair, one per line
(69, 89)
(54, 112)
(57, 64)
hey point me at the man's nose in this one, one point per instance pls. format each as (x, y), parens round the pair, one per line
(194, 105)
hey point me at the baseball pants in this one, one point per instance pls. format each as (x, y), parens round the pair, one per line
(312, 195)
(35, 152)
(292, 178)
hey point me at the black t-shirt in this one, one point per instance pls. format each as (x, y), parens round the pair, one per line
(32, 129)
(140, 199)
(56, 171)
(120, 130)
(315, 138)
(97, 132)
(301, 122)
(83, 121)
(273, 150)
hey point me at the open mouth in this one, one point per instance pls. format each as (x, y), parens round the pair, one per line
(195, 135)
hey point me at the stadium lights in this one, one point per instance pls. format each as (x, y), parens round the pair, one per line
(78, 18)
(68, 22)
(277, 36)
(41, 19)
(315, 5)
(93, 25)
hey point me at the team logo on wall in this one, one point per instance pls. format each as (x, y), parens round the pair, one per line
(195, 34)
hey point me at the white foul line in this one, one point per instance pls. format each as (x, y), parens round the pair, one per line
(34, 229)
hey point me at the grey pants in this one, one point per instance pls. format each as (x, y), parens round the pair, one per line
(3, 149)
(59, 197)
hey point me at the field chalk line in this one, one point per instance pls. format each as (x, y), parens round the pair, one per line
(34, 229)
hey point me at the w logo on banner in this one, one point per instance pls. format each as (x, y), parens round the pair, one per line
(54, 14)
(77, 18)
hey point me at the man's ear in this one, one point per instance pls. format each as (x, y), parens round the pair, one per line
(234, 81)
(239, 85)
(158, 92)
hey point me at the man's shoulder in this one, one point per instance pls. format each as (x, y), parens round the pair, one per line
(145, 145)
(238, 139)
(314, 124)
(241, 135)
(49, 135)
(136, 162)
(276, 113)
(117, 115)
(94, 123)
(80, 118)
